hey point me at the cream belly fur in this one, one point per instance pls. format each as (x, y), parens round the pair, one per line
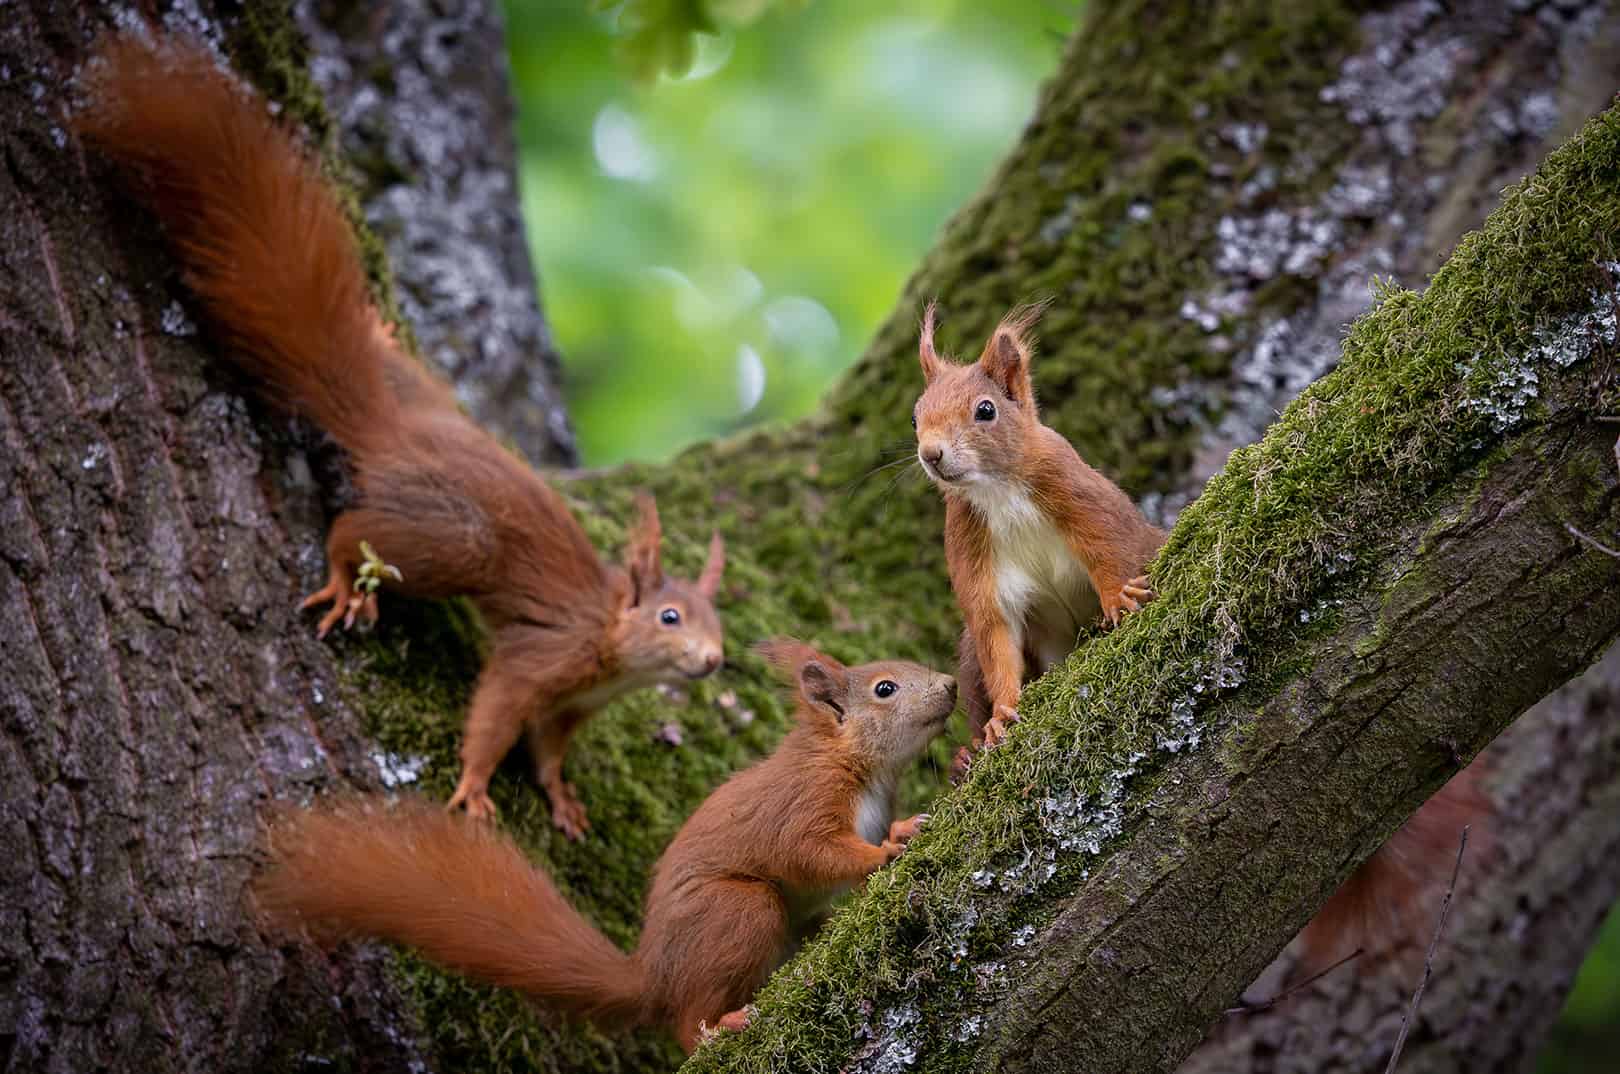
(1042, 588)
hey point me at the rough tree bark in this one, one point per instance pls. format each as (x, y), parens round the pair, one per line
(157, 688)
(1206, 203)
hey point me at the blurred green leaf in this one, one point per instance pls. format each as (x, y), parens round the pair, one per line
(732, 236)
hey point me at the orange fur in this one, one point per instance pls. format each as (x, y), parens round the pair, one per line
(269, 253)
(745, 874)
(1005, 478)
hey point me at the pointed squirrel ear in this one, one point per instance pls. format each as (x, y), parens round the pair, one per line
(823, 687)
(1006, 357)
(709, 581)
(643, 558)
(818, 679)
(932, 363)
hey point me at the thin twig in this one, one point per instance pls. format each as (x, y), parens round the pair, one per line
(1428, 960)
(1593, 541)
(1612, 419)
(1266, 1005)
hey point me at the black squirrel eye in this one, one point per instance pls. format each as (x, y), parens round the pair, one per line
(985, 411)
(886, 688)
(913, 421)
(669, 617)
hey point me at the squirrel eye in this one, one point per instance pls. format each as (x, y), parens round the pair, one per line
(985, 411)
(886, 688)
(669, 617)
(913, 421)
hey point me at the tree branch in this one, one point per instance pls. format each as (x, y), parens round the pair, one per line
(1352, 609)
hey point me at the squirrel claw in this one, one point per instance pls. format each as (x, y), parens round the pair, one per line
(995, 730)
(736, 1020)
(960, 765)
(1130, 598)
(338, 594)
(567, 811)
(903, 831)
(476, 800)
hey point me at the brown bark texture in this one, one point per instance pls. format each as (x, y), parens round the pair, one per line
(158, 688)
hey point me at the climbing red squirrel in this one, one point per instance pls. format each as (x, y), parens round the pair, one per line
(756, 862)
(1033, 537)
(1040, 547)
(270, 255)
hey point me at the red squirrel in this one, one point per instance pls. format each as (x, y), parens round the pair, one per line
(270, 255)
(1033, 538)
(1039, 545)
(757, 861)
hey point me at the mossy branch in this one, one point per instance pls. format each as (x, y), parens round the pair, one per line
(1352, 609)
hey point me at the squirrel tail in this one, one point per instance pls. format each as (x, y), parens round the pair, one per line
(262, 239)
(461, 894)
(1386, 908)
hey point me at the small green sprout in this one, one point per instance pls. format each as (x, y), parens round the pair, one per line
(374, 570)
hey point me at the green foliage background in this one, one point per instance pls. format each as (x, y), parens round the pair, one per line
(717, 246)
(775, 198)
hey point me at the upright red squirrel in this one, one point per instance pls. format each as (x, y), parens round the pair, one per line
(1038, 544)
(1041, 547)
(757, 862)
(271, 257)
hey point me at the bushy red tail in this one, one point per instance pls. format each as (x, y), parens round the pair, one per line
(261, 237)
(1385, 908)
(456, 891)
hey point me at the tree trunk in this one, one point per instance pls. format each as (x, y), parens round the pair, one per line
(423, 110)
(157, 688)
(1205, 203)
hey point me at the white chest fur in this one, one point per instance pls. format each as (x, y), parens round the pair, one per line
(1042, 588)
(874, 810)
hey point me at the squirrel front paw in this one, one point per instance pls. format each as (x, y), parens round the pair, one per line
(902, 831)
(474, 797)
(347, 605)
(1130, 598)
(996, 728)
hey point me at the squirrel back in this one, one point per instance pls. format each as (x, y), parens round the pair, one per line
(264, 243)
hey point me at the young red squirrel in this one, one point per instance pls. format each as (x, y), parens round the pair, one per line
(271, 257)
(1033, 537)
(757, 861)
(1038, 544)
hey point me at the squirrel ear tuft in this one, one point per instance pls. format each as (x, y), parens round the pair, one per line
(932, 363)
(1006, 357)
(816, 677)
(709, 581)
(643, 558)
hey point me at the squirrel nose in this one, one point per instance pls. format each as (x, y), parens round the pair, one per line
(932, 452)
(711, 663)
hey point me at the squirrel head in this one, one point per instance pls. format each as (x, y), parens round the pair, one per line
(973, 420)
(886, 712)
(670, 628)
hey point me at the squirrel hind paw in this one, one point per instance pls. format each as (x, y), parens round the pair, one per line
(568, 812)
